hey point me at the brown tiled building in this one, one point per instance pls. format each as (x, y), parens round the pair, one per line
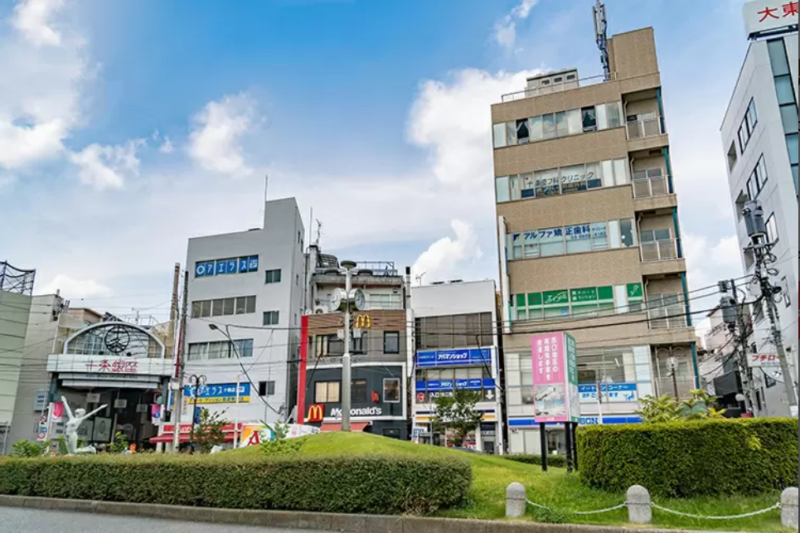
(589, 237)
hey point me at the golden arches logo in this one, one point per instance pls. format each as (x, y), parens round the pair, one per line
(316, 413)
(363, 322)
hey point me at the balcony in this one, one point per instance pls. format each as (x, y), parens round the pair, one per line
(646, 186)
(659, 250)
(646, 134)
(666, 311)
(533, 92)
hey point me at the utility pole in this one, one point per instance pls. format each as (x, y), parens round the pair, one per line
(346, 371)
(761, 246)
(180, 364)
(733, 316)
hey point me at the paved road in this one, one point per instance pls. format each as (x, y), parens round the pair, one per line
(17, 520)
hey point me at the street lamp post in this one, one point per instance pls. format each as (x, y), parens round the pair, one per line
(227, 334)
(199, 382)
(348, 266)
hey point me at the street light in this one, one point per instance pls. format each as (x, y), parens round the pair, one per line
(214, 327)
(199, 382)
(348, 267)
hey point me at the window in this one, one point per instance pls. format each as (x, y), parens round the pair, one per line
(748, 125)
(327, 392)
(626, 233)
(599, 236)
(574, 124)
(551, 241)
(522, 131)
(589, 119)
(511, 133)
(536, 128)
(224, 307)
(789, 118)
(244, 347)
(328, 345)
(564, 180)
(273, 276)
(732, 156)
(758, 178)
(271, 318)
(266, 388)
(784, 90)
(772, 229)
(777, 57)
(359, 344)
(203, 351)
(548, 126)
(391, 342)
(752, 188)
(358, 391)
(501, 189)
(546, 182)
(562, 126)
(391, 390)
(579, 238)
(499, 135)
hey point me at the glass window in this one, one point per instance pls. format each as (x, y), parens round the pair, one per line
(218, 350)
(752, 117)
(196, 306)
(326, 392)
(358, 391)
(546, 182)
(761, 172)
(245, 347)
(626, 232)
(227, 306)
(391, 390)
(777, 57)
(528, 188)
(240, 307)
(535, 128)
(742, 139)
(783, 86)
(752, 189)
(250, 304)
(791, 145)
(205, 308)
(593, 180)
(574, 124)
(522, 131)
(589, 119)
(579, 238)
(789, 118)
(516, 246)
(266, 388)
(548, 126)
(511, 133)
(501, 188)
(499, 131)
(602, 117)
(217, 307)
(573, 179)
(621, 172)
(531, 246)
(273, 276)
(772, 229)
(614, 113)
(599, 236)
(391, 342)
(551, 241)
(554, 312)
(562, 127)
(732, 156)
(662, 234)
(271, 318)
(514, 184)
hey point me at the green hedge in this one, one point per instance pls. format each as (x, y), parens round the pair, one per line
(685, 459)
(353, 484)
(556, 461)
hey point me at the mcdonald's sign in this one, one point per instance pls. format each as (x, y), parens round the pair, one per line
(363, 322)
(316, 413)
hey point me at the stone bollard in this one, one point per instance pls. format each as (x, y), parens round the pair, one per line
(789, 507)
(516, 501)
(638, 501)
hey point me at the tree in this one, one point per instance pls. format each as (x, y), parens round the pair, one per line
(457, 413)
(208, 432)
(24, 448)
(664, 409)
(119, 444)
(279, 444)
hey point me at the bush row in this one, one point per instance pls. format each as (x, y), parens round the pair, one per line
(354, 484)
(556, 461)
(685, 459)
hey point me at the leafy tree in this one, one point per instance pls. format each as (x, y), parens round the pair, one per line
(457, 413)
(279, 444)
(119, 444)
(659, 409)
(24, 448)
(208, 432)
(699, 406)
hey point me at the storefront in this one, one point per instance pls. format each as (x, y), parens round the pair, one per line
(117, 365)
(377, 399)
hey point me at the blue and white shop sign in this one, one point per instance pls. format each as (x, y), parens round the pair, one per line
(232, 265)
(460, 357)
(612, 392)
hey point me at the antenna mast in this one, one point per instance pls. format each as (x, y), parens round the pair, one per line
(599, 15)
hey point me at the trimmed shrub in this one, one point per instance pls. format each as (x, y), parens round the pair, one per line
(556, 461)
(352, 484)
(686, 459)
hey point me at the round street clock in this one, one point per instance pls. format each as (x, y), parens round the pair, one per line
(117, 339)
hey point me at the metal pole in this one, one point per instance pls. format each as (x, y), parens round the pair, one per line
(744, 370)
(675, 384)
(180, 365)
(543, 445)
(346, 357)
(575, 446)
(196, 380)
(599, 403)
(236, 419)
(777, 338)
(568, 438)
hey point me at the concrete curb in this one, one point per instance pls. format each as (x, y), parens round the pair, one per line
(349, 523)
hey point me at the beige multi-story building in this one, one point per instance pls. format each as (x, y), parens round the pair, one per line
(589, 239)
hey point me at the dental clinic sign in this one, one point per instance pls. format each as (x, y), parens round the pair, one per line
(555, 378)
(769, 16)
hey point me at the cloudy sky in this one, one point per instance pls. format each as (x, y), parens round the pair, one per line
(127, 127)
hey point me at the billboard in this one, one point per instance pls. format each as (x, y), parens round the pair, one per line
(457, 357)
(218, 393)
(761, 16)
(555, 378)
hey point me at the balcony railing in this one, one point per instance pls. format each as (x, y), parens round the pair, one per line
(567, 85)
(659, 250)
(649, 187)
(648, 127)
(666, 311)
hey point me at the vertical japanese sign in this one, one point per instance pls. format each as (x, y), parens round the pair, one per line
(555, 378)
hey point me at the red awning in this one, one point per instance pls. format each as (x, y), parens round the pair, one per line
(167, 438)
(336, 426)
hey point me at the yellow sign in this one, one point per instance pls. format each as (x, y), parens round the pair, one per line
(315, 413)
(363, 322)
(222, 399)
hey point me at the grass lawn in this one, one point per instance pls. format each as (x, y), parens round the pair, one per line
(555, 488)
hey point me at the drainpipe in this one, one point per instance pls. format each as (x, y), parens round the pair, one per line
(665, 151)
(694, 365)
(660, 110)
(677, 227)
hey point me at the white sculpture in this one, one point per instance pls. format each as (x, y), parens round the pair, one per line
(71, 428)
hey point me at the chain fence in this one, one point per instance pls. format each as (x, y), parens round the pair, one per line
(666, 510)
(620, 506)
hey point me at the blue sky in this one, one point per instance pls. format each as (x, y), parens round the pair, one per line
(129, 126)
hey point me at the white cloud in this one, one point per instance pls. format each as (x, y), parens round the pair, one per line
(105, 167)
(505, 30)
(166, 147)
(708, 262)
(20, 145)
(214, 142)
(33, 19)
(452, 120)
(74, 289)
(443, 257)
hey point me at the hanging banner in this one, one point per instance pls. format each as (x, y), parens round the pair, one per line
(555, 378)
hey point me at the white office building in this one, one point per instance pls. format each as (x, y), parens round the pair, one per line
(760, 139)
(250, 286)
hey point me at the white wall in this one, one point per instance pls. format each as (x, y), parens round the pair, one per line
(279, 246)
(454, 299)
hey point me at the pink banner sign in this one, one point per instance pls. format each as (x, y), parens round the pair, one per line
(58, 410)
(550, 398)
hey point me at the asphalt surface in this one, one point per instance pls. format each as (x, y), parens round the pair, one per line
(17, 520)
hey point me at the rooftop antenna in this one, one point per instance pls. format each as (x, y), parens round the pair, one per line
(418, 277)
(599, 15)
(319, 232)
(266, 186)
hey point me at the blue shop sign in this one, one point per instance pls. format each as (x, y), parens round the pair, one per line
(584, 421)
(218, 393)
(230, 265)
(435, 385)
(612, 392)
(462, 357)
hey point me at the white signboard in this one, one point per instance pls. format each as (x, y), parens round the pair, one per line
(109, 365)
(758, 360)
(767, 15)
